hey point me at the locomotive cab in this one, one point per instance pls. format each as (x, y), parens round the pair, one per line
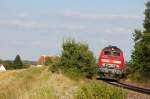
(111, 62)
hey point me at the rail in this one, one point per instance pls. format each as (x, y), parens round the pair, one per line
(129, 87)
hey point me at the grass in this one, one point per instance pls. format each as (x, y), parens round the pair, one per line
(100, 91)
(40, 83)
(25, 84)
(138, 80)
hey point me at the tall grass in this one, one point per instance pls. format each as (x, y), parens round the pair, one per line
(100, 91)
(26, 84)
(39, 83)
(36, 83)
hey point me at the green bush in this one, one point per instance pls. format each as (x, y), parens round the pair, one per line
(76, 57)
(100, 91)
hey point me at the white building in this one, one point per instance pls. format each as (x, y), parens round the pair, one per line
(2, 68)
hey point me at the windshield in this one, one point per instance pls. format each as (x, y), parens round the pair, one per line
(109, 53)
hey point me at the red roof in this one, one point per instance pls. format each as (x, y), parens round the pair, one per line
(42, 60)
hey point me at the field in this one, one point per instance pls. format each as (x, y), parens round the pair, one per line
(40, 83)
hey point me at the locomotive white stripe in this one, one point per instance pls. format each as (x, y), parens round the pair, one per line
(113, 61)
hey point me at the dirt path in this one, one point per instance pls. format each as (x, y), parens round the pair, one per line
(64, 88)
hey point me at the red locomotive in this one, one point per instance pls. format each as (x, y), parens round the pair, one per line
(111, 63)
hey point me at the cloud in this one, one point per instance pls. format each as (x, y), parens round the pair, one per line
(118, 30)
(22, 15)
(95, 17)
(66, 27)
(40, 44)
(21, 24)
(74, 22)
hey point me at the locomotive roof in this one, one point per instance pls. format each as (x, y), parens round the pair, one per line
(112, 47)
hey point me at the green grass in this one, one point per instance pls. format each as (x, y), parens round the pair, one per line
(138, 80)
(100, 91)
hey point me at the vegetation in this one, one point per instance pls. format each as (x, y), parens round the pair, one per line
(28, 62)
(51, 60)
(25, 84)
(76, 60)
(141, 53)
(7, 63)
(100, 91)
(40, 83)
(17, 64)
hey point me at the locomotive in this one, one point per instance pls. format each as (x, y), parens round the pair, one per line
(111, 63)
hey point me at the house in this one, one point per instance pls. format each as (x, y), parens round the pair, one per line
(42, 60)
(2, 68)
(45, 58)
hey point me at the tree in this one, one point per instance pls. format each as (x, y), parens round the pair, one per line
(77, 57)
(17, 64)
(146, 23)
(141, 53)
(8, 64)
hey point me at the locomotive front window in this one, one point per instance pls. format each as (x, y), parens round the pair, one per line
(107, 53)
(115, 54)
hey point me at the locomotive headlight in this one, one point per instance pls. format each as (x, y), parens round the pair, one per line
(103, 64)
(117, 62)
(117, 66)
(104, 60)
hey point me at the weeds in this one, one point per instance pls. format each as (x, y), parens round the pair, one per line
(26, 84)
(97, 91)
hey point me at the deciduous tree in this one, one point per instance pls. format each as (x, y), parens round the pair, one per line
(141, 53)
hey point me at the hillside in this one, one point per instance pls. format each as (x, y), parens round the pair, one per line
(39, 83)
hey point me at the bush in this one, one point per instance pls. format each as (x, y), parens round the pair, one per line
(128, 69)
(100, 91)
(76, 57)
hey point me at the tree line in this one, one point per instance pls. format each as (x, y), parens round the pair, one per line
(16, 64)
(140, 62)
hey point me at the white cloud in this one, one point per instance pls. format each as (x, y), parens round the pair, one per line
(117, 30)
(74, 22)
(22, 15)
(96, 17)
(21, 24)
(68, 27)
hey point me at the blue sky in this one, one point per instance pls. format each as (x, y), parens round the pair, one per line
(33, 28)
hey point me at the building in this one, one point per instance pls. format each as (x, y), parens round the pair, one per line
(2, 68)
(42, 60)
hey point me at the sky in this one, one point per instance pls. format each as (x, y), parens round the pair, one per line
(32, 28)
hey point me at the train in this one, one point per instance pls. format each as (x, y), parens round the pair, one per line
(111, 63)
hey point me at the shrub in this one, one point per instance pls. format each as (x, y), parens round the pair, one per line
(100, 91)
(76, 57)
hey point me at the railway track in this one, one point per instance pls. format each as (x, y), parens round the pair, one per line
(129, 87)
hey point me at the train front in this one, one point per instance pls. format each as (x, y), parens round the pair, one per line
(111, 63)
